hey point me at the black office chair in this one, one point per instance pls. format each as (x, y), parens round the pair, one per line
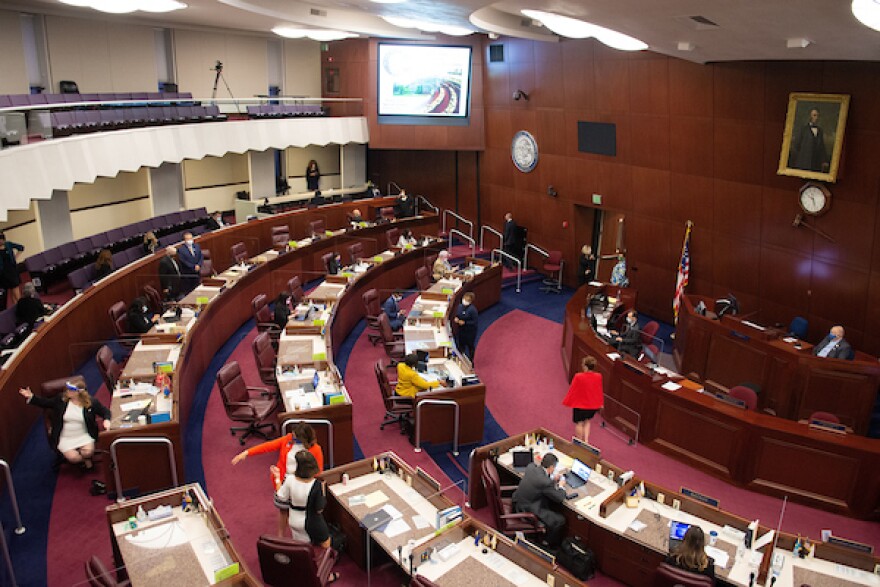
(285, 562)
(667, 575)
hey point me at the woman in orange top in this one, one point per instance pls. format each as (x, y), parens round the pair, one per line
(585, 397)
(302, 438)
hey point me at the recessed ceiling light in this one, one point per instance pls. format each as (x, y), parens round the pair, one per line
(686, 46)
(797, 43)
(388, 1)
(324, 35)
(868, 13)
(127, 6)
(579, 29)
(428, 27)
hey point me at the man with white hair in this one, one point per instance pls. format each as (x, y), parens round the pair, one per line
(169, 274)
(442, 268)
(834, 346)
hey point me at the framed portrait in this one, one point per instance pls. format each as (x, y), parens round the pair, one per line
(813, 136)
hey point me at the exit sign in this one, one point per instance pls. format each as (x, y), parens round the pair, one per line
(597, 199)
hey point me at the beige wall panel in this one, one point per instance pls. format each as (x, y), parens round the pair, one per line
(215, 171)
(101, 56)
(95, 220)
(218, 198)
(13, 71)
(302, 68)
(327, 158)
(107, 190)
(27, 235)
(245, 61)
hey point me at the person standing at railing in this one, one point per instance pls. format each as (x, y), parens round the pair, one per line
(313, 176)
(508, 240)
(466, 316)
(9, 277)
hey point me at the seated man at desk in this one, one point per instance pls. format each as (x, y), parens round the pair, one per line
(442, 269)
(630, 340)
(540, 486)
(391, 307)
(409, 382)
(355, 216)
(139, 318)
(834, 346)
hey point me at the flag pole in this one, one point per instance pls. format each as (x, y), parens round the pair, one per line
(687, 233)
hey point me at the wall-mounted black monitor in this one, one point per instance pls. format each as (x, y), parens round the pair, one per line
(599, 138)
(424, 84)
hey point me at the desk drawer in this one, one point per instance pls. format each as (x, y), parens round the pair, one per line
(628, 562)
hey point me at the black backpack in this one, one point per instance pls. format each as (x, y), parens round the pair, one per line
(577, 558)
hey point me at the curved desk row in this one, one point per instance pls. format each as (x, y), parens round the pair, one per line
(751, 449)
(794, 383)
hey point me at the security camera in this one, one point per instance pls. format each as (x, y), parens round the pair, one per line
(520, 95)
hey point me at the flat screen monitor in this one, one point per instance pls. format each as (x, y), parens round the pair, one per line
(423, 84)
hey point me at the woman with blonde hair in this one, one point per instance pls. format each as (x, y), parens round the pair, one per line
(74, 424)
(691, 555)
(151, 243)
(104, 264)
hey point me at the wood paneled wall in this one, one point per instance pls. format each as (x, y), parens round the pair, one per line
(698, 142)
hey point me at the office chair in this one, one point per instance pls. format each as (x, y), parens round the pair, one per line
(824, 417)
(649, 348)
(68, 87)
(280, 235)
(207, 268)
(154, 299)
(423, 279)
(746, 395)
(109, 368)
(507, 521)
(295, 289)
(326, 258)
(392, 236)
(285, 562)
(50, 389)
(239, 252)
(316, 227)
(355, 252)
(98, 575)
(420, 581)
(264, 317)
(398, 409)
(799, 327)
(265, 358)
(394, 345)
(119, 316)
(372, 309)
(552, 264)
(242, 406)
(667, 575)
(387, 214)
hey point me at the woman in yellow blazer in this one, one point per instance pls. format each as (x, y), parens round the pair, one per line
(409, 382)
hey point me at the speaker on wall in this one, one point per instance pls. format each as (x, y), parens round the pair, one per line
(496, 53)
(599, 138)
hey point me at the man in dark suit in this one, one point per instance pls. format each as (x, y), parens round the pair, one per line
(191, 259)
(169, 274)
(508, 240)
(535, 492)
(808, 146)
(406, 206)
(834, 346)
(629, 341)
(391, 307)
(215, 221)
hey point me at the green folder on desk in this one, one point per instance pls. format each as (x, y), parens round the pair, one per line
(292, 244)
(438, 314)
(319, 357)
(318, 322)
(226, 572)
(202, 300)
(447, 291)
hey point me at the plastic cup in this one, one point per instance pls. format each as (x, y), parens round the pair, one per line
(713, 538)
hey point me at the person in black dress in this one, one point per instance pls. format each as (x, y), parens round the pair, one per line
(139, 319)
(466, 317)
(313, 176)
(104, 264)
(151, 243)
(586, 265)
(9, 277)
(282, 310)
(304, 498)
(29, 308)
(691, 556)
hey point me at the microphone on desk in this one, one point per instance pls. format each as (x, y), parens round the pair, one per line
(443, 489)
(772, 580)
(752, 579)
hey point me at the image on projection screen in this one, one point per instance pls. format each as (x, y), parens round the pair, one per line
(424, 80)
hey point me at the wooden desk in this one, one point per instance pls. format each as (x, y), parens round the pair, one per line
(751, 449)
(794, 383)
(184, 549)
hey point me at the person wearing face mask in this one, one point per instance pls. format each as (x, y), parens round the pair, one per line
(630, 340)
(190, 257)
(466, 318)
(391, 307)
(140, 320)
(169, 274)
(834, 346)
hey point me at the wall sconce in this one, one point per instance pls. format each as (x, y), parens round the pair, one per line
(551, 191)
(520, 95)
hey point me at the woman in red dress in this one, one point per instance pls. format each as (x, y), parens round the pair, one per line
(585, 397)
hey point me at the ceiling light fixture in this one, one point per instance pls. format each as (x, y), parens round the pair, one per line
(798, 43)
(127, 6)
(686, 46)
(579, 29)
(323, 35)
(428, 27)
(867, 12)
(388, 1)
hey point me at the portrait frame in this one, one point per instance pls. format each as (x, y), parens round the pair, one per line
(813, 153)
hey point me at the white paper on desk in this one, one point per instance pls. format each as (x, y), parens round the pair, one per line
(721, 557)
(789, 339)
(637, 526)
(375, 499)
(395, 528)
(138, 405)
(420, 522)
(595, 283)
(671, 386)
(763, 540)
(613, 356)
(517, 577)
(393, 512)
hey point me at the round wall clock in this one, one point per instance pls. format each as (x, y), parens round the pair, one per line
(524, 151)
(814, 198)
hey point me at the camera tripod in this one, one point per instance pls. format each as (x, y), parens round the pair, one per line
(218, 69)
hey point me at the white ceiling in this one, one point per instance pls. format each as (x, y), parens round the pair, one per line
(747, 29)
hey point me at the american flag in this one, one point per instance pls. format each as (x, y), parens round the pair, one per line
(684, 272)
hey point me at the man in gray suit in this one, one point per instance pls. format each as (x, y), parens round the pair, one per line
(535, 492)
(834, 346)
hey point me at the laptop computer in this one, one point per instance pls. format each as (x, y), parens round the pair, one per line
(522, 458)
(677, 531)
(376, 520)
(578, 475)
